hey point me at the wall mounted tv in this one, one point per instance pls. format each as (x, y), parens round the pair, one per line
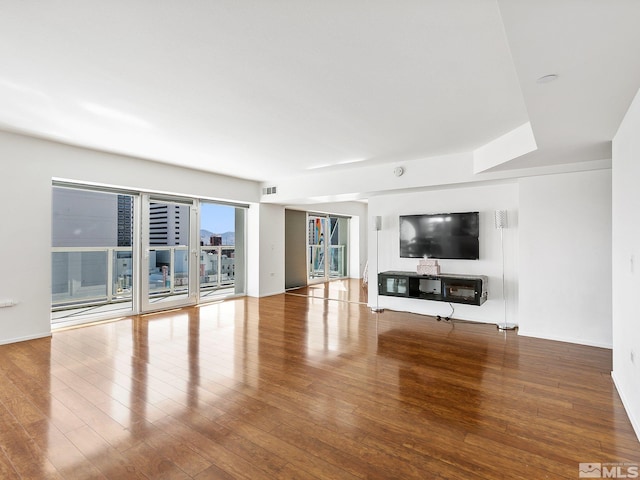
(442, 235)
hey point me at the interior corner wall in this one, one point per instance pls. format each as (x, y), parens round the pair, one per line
(253, 250)
(295, 245)
(483, 199)
(29, 166)
(565, 263)
(626, 262)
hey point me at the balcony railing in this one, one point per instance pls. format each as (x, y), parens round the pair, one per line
(337, 267)
(217, 266)
(90, 275)
(168, 270)
(84, 276)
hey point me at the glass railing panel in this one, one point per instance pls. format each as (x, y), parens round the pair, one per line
(316, 261)
(159, 270)
(217, 267)
(79, 276)
(122, 275)
(337, 267)
(181, 270)
(227, 266)
(97, 275)
(208, 267)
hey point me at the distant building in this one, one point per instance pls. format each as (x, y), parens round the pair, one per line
(125, 220)
(211, 264)
(168, 224)
(215, 240)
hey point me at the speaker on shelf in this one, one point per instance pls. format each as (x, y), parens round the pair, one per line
(501, 219)
(377, 222)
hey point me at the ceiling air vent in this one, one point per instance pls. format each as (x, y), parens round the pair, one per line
(269, 190)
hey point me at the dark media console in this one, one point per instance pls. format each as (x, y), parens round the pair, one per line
(468, 289)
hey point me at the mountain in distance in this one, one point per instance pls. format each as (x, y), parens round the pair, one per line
(228, 238)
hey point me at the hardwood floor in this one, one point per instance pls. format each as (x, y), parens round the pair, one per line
(291, 387)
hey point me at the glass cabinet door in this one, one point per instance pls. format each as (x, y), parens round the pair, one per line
(390, 285)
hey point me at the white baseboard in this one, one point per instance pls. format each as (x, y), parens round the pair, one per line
(271, 294)
(635, 423)
(579, 341)
(7, 341)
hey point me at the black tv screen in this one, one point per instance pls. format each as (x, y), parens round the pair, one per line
(442, 235)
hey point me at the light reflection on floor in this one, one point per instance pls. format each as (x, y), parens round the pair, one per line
(345, 290)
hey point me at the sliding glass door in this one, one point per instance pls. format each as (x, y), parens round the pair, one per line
(221, 265)
(317, 258)
(169, 253)
(327, 240)
(118, 252)
(93, 253)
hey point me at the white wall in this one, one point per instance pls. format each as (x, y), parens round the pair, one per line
(357, 245)
(353, 182)
(557, 244)
(565, 264)
(265, 255)
(28, 166)
(626, 262)
(484, 199)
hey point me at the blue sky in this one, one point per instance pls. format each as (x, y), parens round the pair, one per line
(217, 218)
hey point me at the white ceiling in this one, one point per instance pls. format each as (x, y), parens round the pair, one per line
(267, 90)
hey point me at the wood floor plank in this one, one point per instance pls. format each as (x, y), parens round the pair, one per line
(110, 462)
(295, 454)
(296, 387)
(359, 459)
(6, 468)
(236, 444)
(25, 454)
(153, 464)
(208, 440)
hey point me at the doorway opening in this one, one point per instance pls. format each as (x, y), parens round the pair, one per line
(327, 247)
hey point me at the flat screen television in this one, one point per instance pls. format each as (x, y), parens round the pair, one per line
(442, 235)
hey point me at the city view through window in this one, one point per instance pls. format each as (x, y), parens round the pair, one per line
(92, 238)
(93, 264)
(217, 247)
